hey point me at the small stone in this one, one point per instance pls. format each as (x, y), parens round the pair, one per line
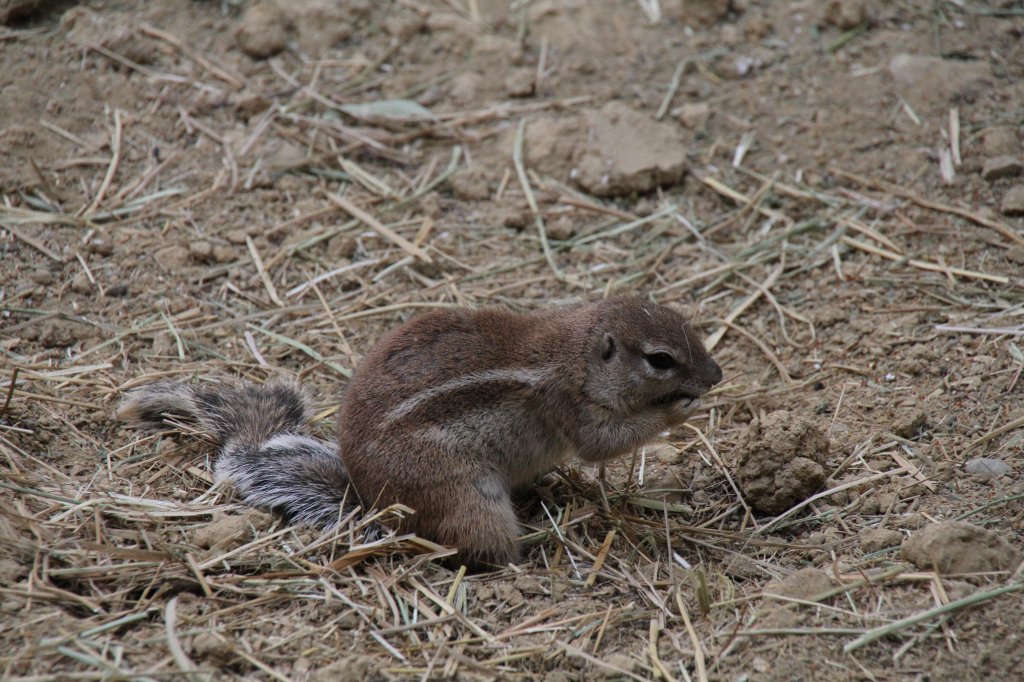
(933, 81)
(847, 14)
(81, 284)
(404, 25)
(958, 547)
(695, 115)
(11, 571)
(465, 87)
(666, 453)
(225, 532)
(909, 426)
(42, 277)
(470, 185)
(528, 584)
(352, 668)
(263, 30)
(101, 247)
(319, 24)
(208, 646)
(887, 502)
(987, 467)
(521, 83)
(201, 250)
(509, 594)
(816, 538)
(172, 258)
(561, 229)
(803, 584)
(235, 236)
(621, 662)
(223, 254)
(1013, 201)
(1001, 167)
(877, 539)
(1000, 140)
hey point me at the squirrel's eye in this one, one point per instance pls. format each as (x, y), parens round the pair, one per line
(660, 360)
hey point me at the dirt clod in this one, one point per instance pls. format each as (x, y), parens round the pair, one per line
(933, 81)
(1000, 140)
(780, 461)
(231, 531)
(987, 467)
(847, 14)
(694, 115)
(1001, 167)
(910, 425)
(802, 584)
(172, 258)
(521, 83)
(958, 547)
(875, 539)
(1013, 201)
(263, 29)
(627, 152)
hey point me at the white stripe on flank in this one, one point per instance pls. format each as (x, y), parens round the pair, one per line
(291, 441)
(530, 377)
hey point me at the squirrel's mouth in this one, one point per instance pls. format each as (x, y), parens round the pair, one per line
(677, 396)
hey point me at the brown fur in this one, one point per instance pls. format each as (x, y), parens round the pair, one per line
(545, 392)
(450, 412)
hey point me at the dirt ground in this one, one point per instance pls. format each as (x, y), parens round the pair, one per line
(224, 189)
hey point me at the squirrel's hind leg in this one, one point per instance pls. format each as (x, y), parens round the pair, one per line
(477, 518)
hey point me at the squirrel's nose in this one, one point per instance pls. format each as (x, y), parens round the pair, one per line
(714, 372)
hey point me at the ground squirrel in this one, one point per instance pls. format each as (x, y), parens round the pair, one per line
(450, 412)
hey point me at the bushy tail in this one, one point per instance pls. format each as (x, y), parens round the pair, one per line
(266, 452)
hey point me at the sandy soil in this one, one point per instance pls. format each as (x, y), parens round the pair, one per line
(232, 189)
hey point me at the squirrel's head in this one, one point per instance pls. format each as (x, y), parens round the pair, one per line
(647, 358)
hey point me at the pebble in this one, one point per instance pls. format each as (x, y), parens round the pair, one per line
(201, 250)
(1001, 167)
(101, 247)
(847, 14)
(1013, 201)
(620, 662)
(81, 284)
(958, 547)
(910, 426)
(521, 83)
(987, 467)
(694, 115)
(223, 254)
(999, 140)
(172, 258)
(509, 594)
(528, 584)
(235, 236)
(802, 584)
(875, 539)
(263, 30)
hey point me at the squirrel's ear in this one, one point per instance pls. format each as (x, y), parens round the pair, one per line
(608, 347)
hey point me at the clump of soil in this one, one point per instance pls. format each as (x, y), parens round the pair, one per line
(958, 547)
(802, 584)
(780, 461)
(612, 151)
